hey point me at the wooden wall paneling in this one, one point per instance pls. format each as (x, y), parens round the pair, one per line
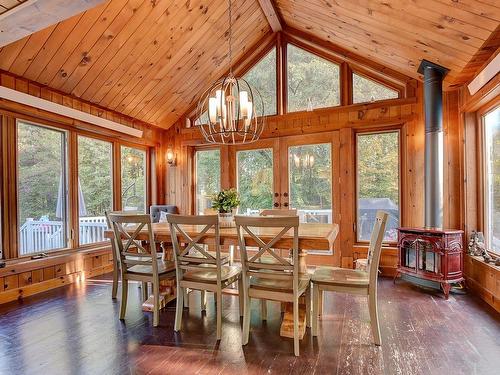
(2, 284)
(347, 199)
(49, 273)
(37, 276)
(25, 278)
(11, 282)
(472, 175)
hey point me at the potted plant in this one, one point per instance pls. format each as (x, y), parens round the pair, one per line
(226, 202)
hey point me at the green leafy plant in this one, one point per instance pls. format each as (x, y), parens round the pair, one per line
(226, 200)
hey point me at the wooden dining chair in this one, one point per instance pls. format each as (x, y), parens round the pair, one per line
(197, 268)
(274, 212)
(351, 281)
(278, 281)
(137, 263)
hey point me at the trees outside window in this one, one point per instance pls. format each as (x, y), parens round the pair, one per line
(41, 188)
(255, 180)
(133, 179)
(313, 82)
(378, 182)
(207, 178)
(492, 179)
(367, 90)
(95, 195)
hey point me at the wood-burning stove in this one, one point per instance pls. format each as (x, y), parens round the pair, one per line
(431, 254)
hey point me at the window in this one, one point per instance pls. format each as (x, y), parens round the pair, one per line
(207, 163)
(41, 188)
(133, 174)
(377, 182)
(263, 77)
(367, 90)
(203, 119)
(310, 182)
(492, 179)
(255, 180)
(95, 188)
(313, 82)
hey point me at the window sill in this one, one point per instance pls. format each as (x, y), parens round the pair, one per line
(480, 259)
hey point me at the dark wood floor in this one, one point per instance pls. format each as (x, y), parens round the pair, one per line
(75, 330)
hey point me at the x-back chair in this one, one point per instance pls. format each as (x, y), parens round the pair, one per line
(140, 265)
(279, 280)
(203, 270)
(354, 281)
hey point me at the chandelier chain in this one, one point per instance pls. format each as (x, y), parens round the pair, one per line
(230, 39)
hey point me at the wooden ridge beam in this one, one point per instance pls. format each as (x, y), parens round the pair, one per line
(272, 15)
(34, 15)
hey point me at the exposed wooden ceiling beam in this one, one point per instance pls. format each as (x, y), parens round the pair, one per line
(34, 15)
(271, 14)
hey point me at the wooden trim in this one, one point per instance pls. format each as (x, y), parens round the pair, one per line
(271, 14)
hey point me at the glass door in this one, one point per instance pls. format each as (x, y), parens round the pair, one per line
(307, 180)
(256, 176)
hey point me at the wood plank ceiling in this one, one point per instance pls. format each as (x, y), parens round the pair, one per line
(151, 59)
(148, 59)
(6, 5)
(400, 33)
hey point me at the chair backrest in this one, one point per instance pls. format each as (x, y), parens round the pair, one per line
(156, 210)
(126, 227)
(375, 248)
(186, 232)
(251, 230)
(279, 212)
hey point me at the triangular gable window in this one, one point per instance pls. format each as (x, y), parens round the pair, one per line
(366, 90)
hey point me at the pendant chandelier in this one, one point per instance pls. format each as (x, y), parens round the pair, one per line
(229, 109)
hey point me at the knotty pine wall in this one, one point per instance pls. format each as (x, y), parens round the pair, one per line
(345, 121)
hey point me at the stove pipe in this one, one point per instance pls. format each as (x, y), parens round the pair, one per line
(434, 144)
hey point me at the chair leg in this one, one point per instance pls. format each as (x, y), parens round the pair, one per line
(219, 315)
(246, 318)
(315, 303)
(144, 291)
(123, 303)
(179, 308)
(203, 300)
(296, 326)
(241, 297)
(374, 322)
(320, 304)
(263, 309)
(114, 291)
(186, 297)
(308, 307)
(156, 298)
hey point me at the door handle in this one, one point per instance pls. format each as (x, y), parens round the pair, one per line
(276, 204)
(285, 194)
(285, 204)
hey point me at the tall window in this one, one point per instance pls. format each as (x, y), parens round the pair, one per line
(95, 188)
(263, 77)
(378, 182)
(492, 179)
(313, 82)
(133, 174)
(255, 180)
(207, 178)
(41, 188)
(367, 90)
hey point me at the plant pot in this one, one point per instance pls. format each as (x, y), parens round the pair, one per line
(226, 219)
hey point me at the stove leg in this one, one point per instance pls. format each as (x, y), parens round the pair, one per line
(395, 277)
(446, 289)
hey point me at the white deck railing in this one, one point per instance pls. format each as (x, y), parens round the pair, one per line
(36, 236)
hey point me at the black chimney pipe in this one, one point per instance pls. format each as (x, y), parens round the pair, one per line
(434, 144)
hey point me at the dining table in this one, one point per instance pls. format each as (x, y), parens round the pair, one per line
(319, 237)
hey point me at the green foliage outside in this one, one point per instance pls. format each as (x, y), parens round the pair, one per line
(40, 169)
(311, 186)
(378, 166)
(255, 179)
(207, 177)
(262, 76)
(312, 80)
(95, 174)
(366, 90)
(492, 125)
(133, 179)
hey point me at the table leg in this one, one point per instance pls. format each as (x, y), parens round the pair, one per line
(287, 323)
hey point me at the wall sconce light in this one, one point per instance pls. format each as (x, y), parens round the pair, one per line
(170, 156)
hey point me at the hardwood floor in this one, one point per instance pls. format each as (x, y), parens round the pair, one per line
(75, 330)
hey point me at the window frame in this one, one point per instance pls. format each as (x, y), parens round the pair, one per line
(399, 129)
(67, 169)
(483, 178)
(147, 187)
